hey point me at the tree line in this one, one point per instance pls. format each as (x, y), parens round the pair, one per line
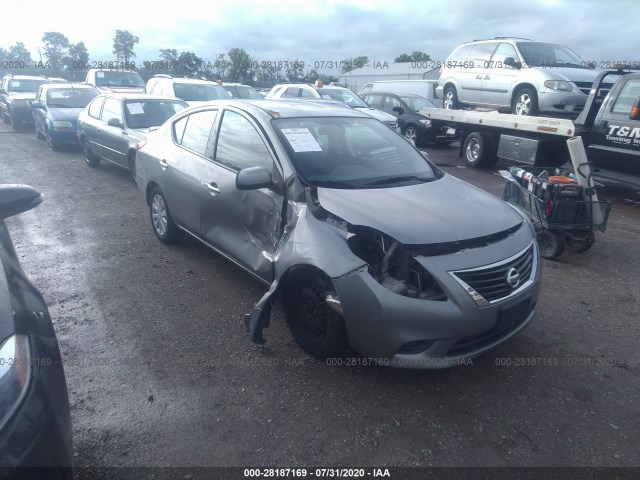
(58, 57)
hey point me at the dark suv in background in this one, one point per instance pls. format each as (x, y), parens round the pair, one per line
(16, 91)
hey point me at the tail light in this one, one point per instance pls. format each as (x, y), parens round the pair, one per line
(635, 110)
(141, 144)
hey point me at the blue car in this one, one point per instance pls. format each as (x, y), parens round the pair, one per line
(56, 109)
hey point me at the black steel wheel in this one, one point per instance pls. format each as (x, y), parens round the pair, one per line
(579, 242)
(551, 243)
(317, 328)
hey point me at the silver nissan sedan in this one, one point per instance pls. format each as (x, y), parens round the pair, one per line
(370, 245)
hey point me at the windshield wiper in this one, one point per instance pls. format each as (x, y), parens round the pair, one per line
(331, 184)
(406, 178)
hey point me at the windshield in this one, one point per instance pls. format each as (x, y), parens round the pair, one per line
(415, 103)
(537, 54)
(119, 79)
(151, 113)
(338, 152)
(199, 92)
(25, 85)
(70, 97)
(343, 95)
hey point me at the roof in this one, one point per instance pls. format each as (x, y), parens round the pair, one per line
(292, 108)
(139, 96)
(85, 86)
(26, 77)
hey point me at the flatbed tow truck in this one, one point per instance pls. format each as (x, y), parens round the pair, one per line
(608, 126)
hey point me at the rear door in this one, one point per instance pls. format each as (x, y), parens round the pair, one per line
(498, 78)
(472, 72)
(242, 224)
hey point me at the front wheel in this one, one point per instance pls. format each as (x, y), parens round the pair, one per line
(161, 221)
(551, 243)
(14, 123)
(525, 103)
(479, 150)
(411, 134)
(318, 329)
(50, 143)
(39, 134)
(92, 159)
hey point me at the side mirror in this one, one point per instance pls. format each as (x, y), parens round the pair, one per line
(37, 105)
(114, 122)
(253, 178)
(15, 199)
(510, 62)
(398, 110)
(635, 110)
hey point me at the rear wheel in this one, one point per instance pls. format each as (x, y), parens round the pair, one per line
(92, 159)
(132, 165)
(5, 118)
(14, 123)
(450, 101)
(479, 150)
(317, 328)
(161, 221)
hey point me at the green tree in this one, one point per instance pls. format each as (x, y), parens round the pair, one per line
(19, 53)
(123, 43)
(77, 56)
(189, 64)
(416, 56)
(221, 66)
(313, 75)
(240, 68)
(55, 48)
(295, 72)
(352, 63)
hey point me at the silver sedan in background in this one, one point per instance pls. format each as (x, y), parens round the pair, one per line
(370, 245)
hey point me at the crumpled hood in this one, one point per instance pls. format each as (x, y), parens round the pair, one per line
(445, 210)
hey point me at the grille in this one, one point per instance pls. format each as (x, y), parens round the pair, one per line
(585, 87)
(417, 346)
(490, 282)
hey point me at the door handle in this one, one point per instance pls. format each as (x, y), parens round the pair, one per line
(478, 77)
(213, 188)
(487, 77)
(163, 164)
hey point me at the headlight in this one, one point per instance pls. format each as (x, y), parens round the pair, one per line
(425, 122)
(62, 125)
(15, 373)
(558, 85)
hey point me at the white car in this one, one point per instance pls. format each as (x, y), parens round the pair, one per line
(340, 94)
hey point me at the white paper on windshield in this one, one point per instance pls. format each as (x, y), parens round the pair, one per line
(326, 96)
(15, 83)
(135, 108)
(301, 140)
(100, 74)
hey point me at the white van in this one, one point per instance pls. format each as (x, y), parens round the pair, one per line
(424, 88)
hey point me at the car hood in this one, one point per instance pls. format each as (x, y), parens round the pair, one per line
(377, 114)
(140, 133)
(22, 95)
(69, 114)
(445, 210)
(571, 74)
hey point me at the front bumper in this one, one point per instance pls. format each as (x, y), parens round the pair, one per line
(561, 102)
(417, 333)
(65, 137)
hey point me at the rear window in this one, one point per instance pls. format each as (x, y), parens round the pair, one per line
(628, 95)
(70, 97)
(193, 92)
(25, 85)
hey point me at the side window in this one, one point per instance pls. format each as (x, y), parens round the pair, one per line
(111, 110)
(460, 54)
(307, 94)
(480, 53)
(251, 152)
(374, 101)
(94, 108)
(504, 50)
(627, 97)
(391, 102)
(178, 129)
(195, 134)
(39, 97)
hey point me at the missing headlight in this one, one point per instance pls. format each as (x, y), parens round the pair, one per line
(393, 265)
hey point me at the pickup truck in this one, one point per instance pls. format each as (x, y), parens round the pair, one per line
(609, 127)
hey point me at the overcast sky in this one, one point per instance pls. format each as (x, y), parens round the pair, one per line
(598, 30)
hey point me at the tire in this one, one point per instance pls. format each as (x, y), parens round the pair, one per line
(161, 221)
(132, 165)
(450, 100)
(50, 143)
(91, 158)
(479, 150)
(579, 243)
(39, 134)
(5, 118)
(411, 134)
(14, 124)
(525, 103)
(551, 243)
(317, 328)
